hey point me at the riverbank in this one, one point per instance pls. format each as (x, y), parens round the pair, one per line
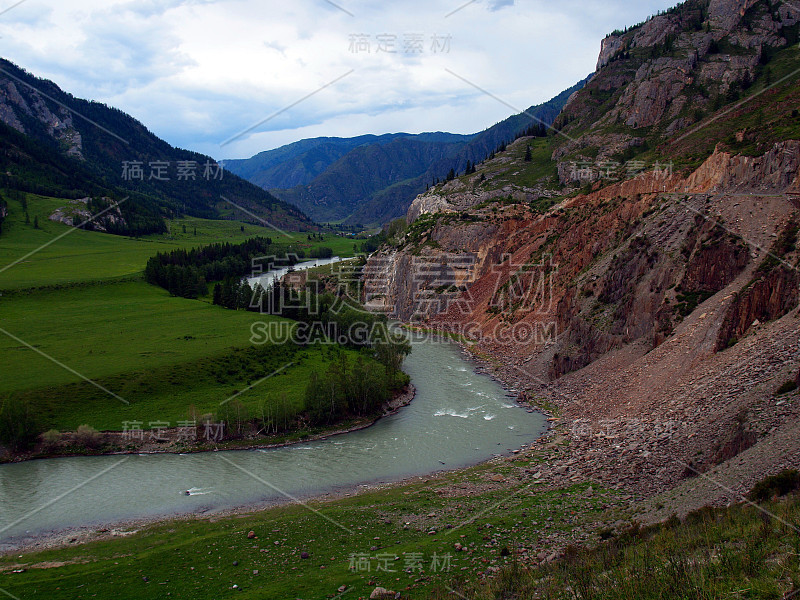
(94, 533)
(473, 514)
(77, 536)
(482, 521)
(107, 532)
(173, 440)
(307, 549)
(447, 419)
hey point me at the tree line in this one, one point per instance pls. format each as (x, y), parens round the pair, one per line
(347, 388)
(185, 273)
(358, 389)
(3, 212)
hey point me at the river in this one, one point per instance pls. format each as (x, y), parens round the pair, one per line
(265, 280)
(458, 418)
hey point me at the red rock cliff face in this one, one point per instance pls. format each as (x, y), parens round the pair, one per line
(772, 293)
(623, 265)
(766, 300)
(645, 288)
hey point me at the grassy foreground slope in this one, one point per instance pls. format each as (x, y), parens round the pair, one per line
(472, 534)
(206, 558)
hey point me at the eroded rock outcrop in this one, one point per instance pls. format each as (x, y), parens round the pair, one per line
(77, 213)
(628, 263)
(59, 124)
(663, 75)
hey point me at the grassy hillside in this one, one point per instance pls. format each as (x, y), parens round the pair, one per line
(82, 301)
(91, 256)
(745, 551)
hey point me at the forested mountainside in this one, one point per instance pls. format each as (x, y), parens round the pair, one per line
(373, 179)
(300, 162)
(57, 145)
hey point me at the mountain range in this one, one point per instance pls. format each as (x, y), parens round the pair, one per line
(55, 144)
(373, 179)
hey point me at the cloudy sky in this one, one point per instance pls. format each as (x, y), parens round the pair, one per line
(231, 78)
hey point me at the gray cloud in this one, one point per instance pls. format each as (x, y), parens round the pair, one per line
(197, 72)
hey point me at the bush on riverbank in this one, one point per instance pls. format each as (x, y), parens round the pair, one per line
(88, 437)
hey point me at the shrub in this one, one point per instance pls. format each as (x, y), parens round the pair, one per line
(88, 437)
(50, 440)
(775, 485)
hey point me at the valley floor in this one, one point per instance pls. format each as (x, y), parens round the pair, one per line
(421, 537)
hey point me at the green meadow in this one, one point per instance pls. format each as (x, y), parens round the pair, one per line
(76, 307)
(81, 256)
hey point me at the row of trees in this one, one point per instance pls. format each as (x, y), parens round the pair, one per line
(185, 272)
(351, 387)
(346, 389)
(235, 293)
(321, 252)
(185, 282)
(535, 130)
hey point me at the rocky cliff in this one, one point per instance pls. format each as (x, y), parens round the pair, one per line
(659, 80)
(58, 123)
(629, 261)
(658, 281)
